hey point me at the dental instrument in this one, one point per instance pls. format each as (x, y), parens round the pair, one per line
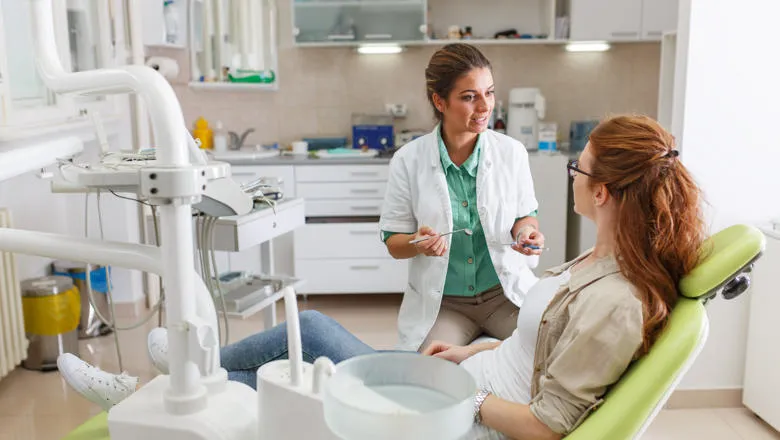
(466, 231)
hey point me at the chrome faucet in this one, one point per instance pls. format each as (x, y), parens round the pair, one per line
(236, 140)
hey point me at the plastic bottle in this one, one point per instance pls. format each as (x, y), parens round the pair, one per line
(171, 17)
(220, 138)
(203, 133)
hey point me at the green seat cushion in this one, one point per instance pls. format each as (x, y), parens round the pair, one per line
(633, 399)
(95, 428)
(724, 255)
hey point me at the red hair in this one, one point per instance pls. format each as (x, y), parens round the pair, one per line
(660, 227)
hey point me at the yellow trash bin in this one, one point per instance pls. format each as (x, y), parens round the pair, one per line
(51, 318)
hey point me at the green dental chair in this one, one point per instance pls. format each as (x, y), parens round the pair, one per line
(632, 404)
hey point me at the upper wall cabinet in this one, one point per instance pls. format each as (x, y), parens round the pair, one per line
(233, 44)
(364, 21)
(622, 20)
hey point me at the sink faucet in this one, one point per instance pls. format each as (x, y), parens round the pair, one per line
(236, 140)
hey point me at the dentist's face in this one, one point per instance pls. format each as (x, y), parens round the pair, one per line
(584, 203)
(470, 104)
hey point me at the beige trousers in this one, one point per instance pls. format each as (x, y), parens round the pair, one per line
(463, 319)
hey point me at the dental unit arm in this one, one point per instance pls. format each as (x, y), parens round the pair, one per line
(196, 401)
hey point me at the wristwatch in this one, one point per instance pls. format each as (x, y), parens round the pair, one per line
(479, 399)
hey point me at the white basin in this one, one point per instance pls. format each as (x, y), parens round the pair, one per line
(399, 396)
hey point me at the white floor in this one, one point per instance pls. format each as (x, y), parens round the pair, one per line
(40, 406)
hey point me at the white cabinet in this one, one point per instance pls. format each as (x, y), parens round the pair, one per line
(762, 381)
(658, 16)
(340, 250)
(622, 20)
(551, 185)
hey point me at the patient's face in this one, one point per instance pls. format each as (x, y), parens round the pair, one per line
(583, 194)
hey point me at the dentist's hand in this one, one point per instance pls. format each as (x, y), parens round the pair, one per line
(435, 246)
(529, 236)
(452, 353)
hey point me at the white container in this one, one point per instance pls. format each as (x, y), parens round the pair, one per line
(391, 396)
(548, 136)
(526, 107)
(220, 138)
(300, 147)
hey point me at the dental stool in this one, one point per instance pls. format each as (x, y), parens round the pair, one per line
(632, 404)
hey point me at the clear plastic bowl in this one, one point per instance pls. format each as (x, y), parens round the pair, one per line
(399, 396)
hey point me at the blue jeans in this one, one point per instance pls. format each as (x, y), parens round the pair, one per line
(320, 336)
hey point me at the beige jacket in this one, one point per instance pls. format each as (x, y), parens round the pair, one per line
(588, 336)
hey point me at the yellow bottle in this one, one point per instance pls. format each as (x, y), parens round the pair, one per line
(203, 133)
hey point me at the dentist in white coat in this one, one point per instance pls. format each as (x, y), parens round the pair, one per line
(461, 176)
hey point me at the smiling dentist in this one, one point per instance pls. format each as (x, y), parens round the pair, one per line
(461, 176)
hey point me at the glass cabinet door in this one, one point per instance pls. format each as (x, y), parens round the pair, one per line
(363, 21)
(25, 88)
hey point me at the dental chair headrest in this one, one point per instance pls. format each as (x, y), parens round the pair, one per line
(727, 257)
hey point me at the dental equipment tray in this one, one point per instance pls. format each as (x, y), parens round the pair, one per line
(247, 294)
(237, 233)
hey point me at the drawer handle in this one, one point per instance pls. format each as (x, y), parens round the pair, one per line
(364, 191)
(365, 208)
(334, 37)
(365, 174)
(363, 232)
(378, 36)
(654, 33)
(364, 267)
(625, 34)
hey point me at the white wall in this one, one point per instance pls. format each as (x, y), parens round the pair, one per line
(728, 130)
(34, 207)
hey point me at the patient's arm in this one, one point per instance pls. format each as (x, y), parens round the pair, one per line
(514, 420)
(457, 353)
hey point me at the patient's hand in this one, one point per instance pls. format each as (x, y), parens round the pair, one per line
(452, 353)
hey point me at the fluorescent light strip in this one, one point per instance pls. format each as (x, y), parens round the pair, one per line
(590, 46)
(376, 49)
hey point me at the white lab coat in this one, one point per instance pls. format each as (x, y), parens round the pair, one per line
(417, 195)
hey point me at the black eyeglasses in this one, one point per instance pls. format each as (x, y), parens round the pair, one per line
(573, 168)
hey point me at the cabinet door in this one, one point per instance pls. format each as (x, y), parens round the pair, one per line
(606, 20)
(658, 16)
(322, 21)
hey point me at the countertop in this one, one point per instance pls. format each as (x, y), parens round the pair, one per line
(304, 160)
(263, 159)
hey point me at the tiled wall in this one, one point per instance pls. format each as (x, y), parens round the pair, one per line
(320, 88)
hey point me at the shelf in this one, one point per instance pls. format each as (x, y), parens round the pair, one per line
(361, 3)
(475, 42)
(265, 301)
(237, 233)
(233, 87)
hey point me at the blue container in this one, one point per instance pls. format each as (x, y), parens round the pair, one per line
(579, 133)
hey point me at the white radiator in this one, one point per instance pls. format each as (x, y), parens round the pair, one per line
(13, 343)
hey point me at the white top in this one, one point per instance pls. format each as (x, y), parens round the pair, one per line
(417, 194)
(507, 371)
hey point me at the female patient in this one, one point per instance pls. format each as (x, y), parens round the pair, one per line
(581, 325)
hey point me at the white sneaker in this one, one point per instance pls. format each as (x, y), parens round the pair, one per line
(96, 385)
(157, 346)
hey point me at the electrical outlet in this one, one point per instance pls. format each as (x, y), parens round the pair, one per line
(396, 110)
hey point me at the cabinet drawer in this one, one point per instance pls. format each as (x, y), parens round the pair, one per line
(341, 173)
(244, 174)
(340, 208)
(361, 190)
(352, 275)
(339, 240)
